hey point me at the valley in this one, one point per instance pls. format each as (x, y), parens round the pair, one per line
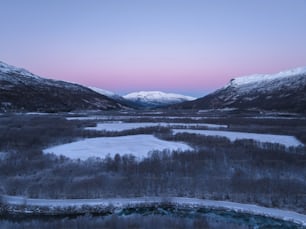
(262, 171)
(234, 158)
(153, 114)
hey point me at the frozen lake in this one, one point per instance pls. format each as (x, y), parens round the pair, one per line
(137, 145)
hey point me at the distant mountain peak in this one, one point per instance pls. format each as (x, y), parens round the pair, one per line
(157, 95)
(156, 98)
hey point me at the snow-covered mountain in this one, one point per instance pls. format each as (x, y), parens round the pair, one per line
(156, 98)
(21, 90)
(261, 80)
(283, 91)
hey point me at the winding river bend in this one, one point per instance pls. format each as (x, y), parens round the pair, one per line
(164, 212)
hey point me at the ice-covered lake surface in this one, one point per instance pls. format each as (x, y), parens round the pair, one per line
(233, 135)
(120, 126)
(137, 145)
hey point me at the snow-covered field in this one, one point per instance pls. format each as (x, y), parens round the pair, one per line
(232, 136)
(120, 126)
(180, 201)
(137, 145)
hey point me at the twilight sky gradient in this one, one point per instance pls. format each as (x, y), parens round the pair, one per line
(184, 46)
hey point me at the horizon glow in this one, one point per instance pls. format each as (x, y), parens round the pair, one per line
(191, 47)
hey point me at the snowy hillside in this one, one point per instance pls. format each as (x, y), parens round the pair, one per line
(6, 68)
(289, 79)
(156, 98)
(20, 75)
(12, 76)
(264, 78)
(21, 90)
(283, 91)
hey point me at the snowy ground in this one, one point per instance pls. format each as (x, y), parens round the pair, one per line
(232, 136)
(180, 201)
(137, 145)
(120, 126)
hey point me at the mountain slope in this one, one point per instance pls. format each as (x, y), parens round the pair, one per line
(153, 99)
(107, 93)
(20, 90)
(284, 91)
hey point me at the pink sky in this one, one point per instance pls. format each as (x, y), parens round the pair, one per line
(175, 45)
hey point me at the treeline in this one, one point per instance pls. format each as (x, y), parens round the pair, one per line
(24, 133)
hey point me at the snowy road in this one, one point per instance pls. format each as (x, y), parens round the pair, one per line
(180, 201)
